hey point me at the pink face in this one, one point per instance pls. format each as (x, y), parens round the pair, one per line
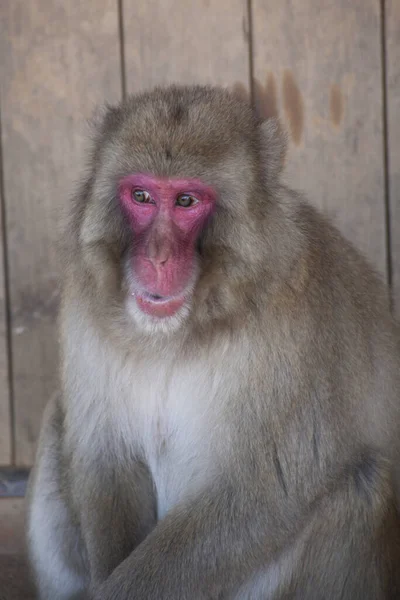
(167, 217)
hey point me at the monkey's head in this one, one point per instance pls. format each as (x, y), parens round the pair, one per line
(170, 220)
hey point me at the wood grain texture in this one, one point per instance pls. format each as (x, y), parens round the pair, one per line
(15, 580)
(186, 42)
(317, 64)
(12, 525)
(58, 59)
(5, 417)
(393, 108)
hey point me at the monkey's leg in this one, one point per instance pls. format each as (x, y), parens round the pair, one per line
(350, 550)
(334, 561)
(350, 554)
(54, 542)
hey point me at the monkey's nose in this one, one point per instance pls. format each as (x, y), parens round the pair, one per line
(159, 260)
(158, 256)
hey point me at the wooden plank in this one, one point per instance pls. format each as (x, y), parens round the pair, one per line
(184, 41)
(392, 22)
(15, 580)
(318, 65)
(57, 60)
(12, 516)
(5, 417)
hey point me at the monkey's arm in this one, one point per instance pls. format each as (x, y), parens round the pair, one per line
(119, 519)
(196, 548)
(213, 543)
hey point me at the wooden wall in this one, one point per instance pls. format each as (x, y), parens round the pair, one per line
(330, 69)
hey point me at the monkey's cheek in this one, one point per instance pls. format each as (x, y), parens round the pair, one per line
(166, 308)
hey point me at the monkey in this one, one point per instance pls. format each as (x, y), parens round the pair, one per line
(228, 419)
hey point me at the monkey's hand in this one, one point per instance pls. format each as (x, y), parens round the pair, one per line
(206, 547)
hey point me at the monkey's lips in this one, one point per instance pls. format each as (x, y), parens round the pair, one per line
(158, 306)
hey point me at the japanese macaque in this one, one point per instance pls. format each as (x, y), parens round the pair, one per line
(228, 426)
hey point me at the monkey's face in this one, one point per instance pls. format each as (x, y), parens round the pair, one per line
(168, 220)
(166, 216)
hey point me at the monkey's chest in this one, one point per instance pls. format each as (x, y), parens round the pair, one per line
(174, 433)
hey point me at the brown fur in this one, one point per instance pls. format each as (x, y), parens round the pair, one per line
(272, 409)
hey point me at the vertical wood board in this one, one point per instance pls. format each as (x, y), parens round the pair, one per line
(5, 417)
(317, 65)
(393, 113)
(58, 60)
(186, 42)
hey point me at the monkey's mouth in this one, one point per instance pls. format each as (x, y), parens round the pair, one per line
(157, 298)
(158, 306)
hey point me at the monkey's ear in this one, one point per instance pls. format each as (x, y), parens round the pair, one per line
(274, 147)
(240, 91)
(96, 122)
(97, 117)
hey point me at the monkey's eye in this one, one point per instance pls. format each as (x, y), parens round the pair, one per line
(141, 196)
(185, 200)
